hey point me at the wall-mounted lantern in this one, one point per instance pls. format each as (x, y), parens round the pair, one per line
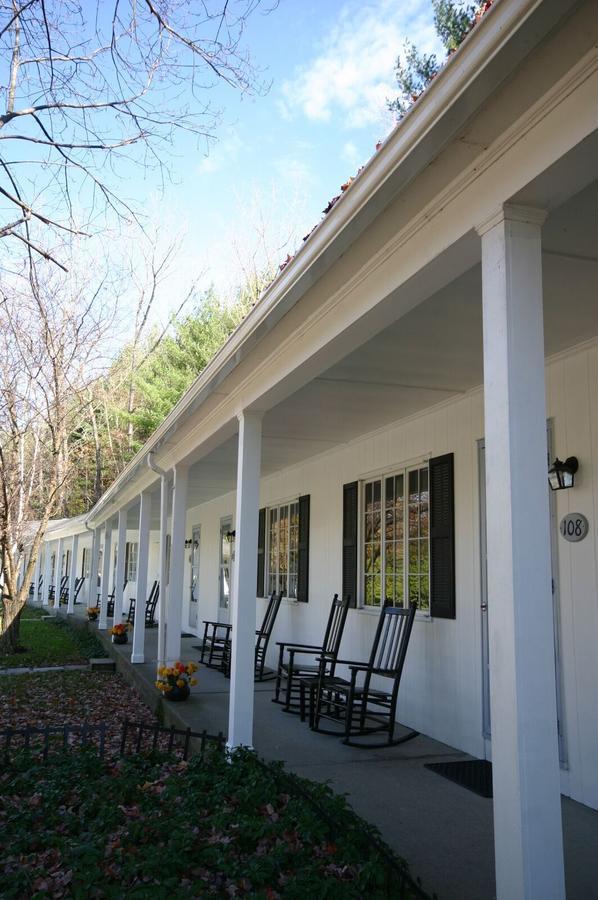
(191, 543)
(562, 474)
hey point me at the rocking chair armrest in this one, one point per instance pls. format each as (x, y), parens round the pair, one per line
(218, 624)
(290, 644)
(352, 663)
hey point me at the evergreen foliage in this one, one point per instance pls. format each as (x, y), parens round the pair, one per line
(415, 70)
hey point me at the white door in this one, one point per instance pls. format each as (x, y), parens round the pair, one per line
(486, 723)
(194, 599)
(227, 556)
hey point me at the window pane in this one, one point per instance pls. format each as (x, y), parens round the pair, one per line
(389, 516)
(399, 592)
(399, 556)
(413, 557)
(389, 590)
(369, 528)
(368, 497)
(413, 486)
(376, 558)
(424, 556)
(413, 520)
(390, 492)
(376, 526)
(390, 557)
(413, 589)
(377, 495)
(424, 597)
(377, 590)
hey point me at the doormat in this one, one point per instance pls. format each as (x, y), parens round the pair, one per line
(473, 774)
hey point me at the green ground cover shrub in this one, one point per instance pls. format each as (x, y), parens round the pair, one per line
(158, 827)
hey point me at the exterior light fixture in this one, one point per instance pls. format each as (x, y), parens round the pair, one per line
(562, 474)
(191, 543)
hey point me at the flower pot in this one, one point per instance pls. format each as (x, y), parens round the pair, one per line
(120, 638)
(178, 693)
(92, 616)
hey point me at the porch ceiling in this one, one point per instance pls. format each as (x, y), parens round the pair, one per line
(430, 354)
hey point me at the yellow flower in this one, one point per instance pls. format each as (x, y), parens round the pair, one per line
(158, 684)
(193, 681)
(167, 687)
(181, 682)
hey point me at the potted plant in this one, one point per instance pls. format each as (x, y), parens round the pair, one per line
(119, 633)
(174, 681)
(92, 613)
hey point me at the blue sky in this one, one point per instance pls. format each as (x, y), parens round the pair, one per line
(279, 157)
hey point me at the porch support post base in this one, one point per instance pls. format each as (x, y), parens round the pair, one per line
(525, 761)
(243, 595)
(137, 658)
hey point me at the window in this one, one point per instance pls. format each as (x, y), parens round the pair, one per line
(283, 549)
(131, 552)
(395, 539)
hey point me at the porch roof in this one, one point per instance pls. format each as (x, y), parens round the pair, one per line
(504, 36)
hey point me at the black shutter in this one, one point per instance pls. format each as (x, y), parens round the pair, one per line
(442, 537)
(303, 554)
(261, 553)
(350, 507)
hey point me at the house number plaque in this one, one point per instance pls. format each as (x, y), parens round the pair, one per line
(574, 527)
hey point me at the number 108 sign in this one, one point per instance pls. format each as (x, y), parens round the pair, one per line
(574, 527)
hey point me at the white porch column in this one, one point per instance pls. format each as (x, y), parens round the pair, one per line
(106, 565)
(243, 594)
(36, 574)
(145, 511)
(163, 576)
(119, 582)
(47, 572)
(174, 605)
(58, 573)
(525, 762)
(73, 575)
(92, 587)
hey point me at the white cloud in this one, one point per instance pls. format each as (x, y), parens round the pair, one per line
(354, 73)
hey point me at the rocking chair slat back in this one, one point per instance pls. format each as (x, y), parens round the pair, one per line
(335, 626)
(392, 638)
(265, 632)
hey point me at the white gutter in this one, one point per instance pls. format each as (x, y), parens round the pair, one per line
(474, 69)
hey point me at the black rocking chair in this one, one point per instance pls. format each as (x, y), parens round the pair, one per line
(217, 642)
(150, 607)
(64, 598)
(361, 710)
(294, 662)
(110, 608)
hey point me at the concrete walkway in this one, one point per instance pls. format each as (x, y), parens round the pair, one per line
(443, 831)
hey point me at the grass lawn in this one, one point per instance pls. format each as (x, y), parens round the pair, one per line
(157, 827)
(50, 642)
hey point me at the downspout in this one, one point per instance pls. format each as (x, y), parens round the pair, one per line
(162, 569)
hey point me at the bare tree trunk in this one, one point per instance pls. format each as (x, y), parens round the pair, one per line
(9, 639)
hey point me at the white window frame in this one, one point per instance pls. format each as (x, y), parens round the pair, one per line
(273, 580)
(130, 554)
(381, 476)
